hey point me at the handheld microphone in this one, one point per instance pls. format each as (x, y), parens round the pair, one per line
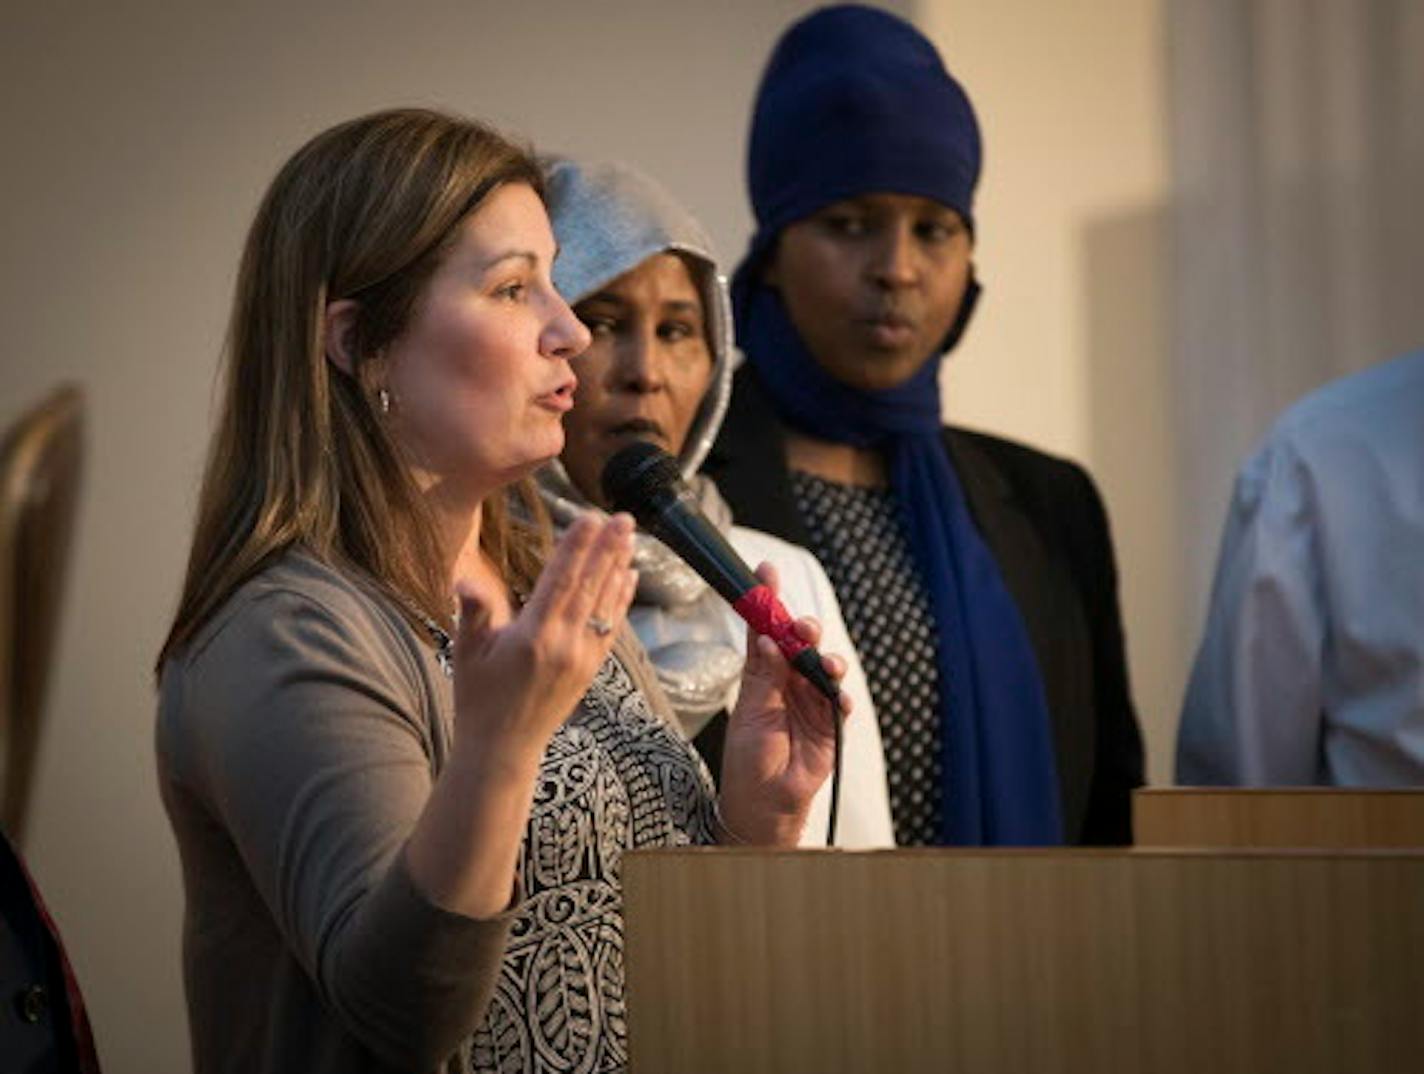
(644, 480)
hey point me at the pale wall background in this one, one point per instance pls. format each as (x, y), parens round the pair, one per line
(140, 137)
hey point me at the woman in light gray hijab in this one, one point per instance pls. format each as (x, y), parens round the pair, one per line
(640, 273)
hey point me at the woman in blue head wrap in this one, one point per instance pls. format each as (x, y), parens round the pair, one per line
(976, 574)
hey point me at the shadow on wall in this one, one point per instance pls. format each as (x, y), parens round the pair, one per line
(1135, 443)
(1198, 336)
(1297, 237)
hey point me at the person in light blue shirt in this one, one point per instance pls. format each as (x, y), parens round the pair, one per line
(1311, 668)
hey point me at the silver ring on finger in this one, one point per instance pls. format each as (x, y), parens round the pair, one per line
(600, 626)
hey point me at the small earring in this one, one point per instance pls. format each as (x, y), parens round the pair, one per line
(383, 397)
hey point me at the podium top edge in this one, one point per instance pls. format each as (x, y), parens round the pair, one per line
(1263, 792)
(1140, 853)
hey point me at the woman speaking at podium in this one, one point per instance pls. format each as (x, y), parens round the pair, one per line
(402, 748)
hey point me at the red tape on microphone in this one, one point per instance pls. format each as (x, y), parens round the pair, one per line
(766, 615)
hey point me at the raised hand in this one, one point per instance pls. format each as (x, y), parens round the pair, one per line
(516, 681)
(780, 743)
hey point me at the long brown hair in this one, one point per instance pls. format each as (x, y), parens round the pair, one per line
(365, 211)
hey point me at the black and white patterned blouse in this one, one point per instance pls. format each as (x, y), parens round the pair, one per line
(614, 777)
(856, 533)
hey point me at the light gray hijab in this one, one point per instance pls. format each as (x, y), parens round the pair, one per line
(609, 219)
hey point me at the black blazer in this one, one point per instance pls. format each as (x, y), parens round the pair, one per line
(1044, 522)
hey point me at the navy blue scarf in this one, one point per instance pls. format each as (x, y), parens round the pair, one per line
(1000, 774)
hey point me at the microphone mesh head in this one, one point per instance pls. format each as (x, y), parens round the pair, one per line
(636, 475)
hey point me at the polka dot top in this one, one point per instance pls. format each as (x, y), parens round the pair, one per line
(857, 535)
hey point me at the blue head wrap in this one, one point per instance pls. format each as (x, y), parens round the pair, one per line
(856, 101)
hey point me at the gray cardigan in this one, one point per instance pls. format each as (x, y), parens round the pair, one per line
(299, 735)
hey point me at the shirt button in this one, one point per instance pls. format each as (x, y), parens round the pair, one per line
(32, 1003)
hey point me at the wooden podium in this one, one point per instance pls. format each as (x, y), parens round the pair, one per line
(1316, 817)
(1021, 962)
